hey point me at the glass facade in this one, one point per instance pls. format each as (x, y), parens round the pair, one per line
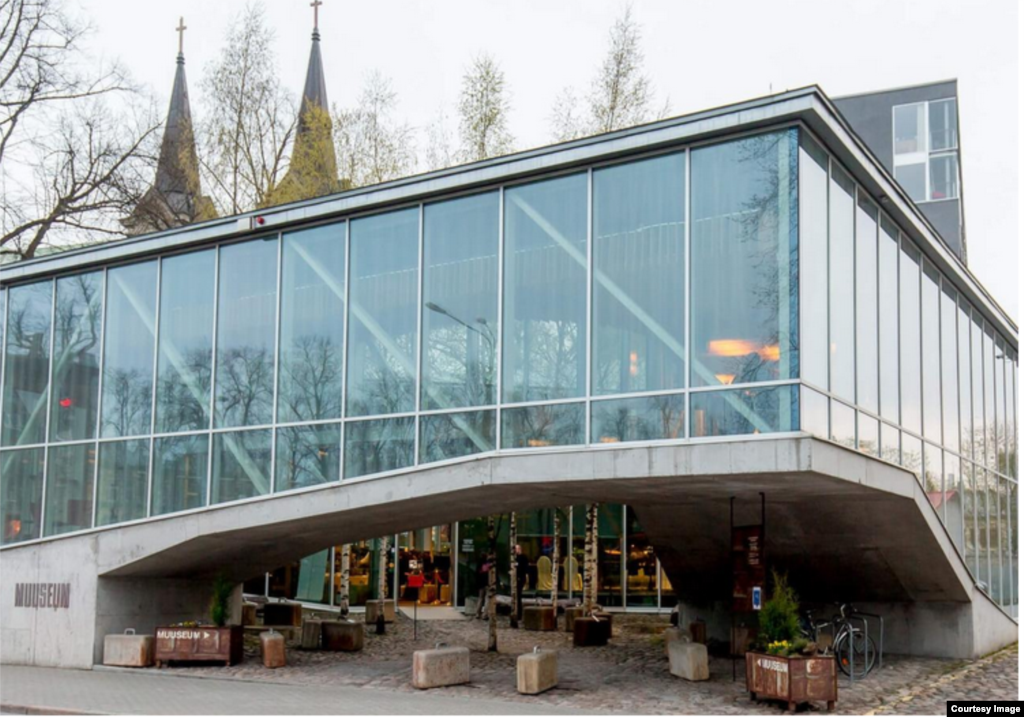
(641, 300)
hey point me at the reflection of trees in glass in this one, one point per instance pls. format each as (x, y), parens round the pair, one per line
(462, 360)
(245, 386)
(307, 455)
(127, 396)
(183, 392)
(27, 363)
(456, 434)
(715, 412)
(77, 320)
(310, 382)
(377, 446)
(642, 419)
(179, 473)
(539, 426)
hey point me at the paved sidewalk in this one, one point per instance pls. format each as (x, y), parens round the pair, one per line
(110, 692)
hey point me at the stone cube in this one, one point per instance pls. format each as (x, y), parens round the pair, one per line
(688, 660)
(128, 650)
(440, 667)
(311, 630)
(536, 672)
(674, 634)
(342, 635)
(373, 608)
(571, 613)
(248, 613)
(272, 649)
(539, 618)
(590, 632)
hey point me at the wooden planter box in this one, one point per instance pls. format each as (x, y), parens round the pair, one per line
(792, 679)
(199, 644)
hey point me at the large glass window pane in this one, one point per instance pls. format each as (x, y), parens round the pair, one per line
(21, 494)
(867, 304)
(952, 501)
(995, 574)
(950, 388)
(1011, 408)
(988, 358)
(911, 454)
(933, 476)
(3, 323)
(639, 278)
(930, 354)
(964, 379)
(977, 391)
(982, 516)
(913, 179)
(744, 253)
(813, 262)
(889, 321)
(890, 436)
(307, 455)
(384, 258)
(841, 285)
(867, 434)
(128, 344)
(814, 413)
(383, 445)
(562, 424)
(1000, 407)
(910, 337)
(460, 302)
(545, 304)
(942, 124)
(179, 473)
(451, 435)
(241, 465)
(312, 324)
(944, 177)
(970, 518)
(246, 313)
(69, 475)
(733, 413)
(649, 418)
(909, 129)
(27, 364)
(641, 565)
(844, 424)
(186, 342)
(76, 357)
(123, 481)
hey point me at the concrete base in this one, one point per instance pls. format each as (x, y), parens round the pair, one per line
(128, 650)
(342, 635)
(440, 667)
(688, 660)
(272, 649)
(373, 608)
(672, 635)
(590, 632)
(536, 672)
(311, 629)
(541, 619)
(571, 613)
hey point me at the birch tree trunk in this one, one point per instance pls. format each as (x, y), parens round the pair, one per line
(590, 561)
(382, 573)
(513, 570)
(492, 586)
(343, 586)
(556, 558)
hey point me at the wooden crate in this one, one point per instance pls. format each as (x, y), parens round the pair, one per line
(199, 644)
(793, 680)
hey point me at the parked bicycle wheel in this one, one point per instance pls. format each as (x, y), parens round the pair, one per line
(864, 653)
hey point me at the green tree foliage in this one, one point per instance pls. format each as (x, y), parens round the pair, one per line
(220, 606)
(779, 619)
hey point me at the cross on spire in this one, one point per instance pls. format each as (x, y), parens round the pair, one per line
(316, 13)
(180, 29)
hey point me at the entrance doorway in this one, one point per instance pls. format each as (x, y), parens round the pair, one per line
(426, 554)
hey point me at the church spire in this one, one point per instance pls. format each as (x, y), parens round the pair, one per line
(313, 167)
(175, 197)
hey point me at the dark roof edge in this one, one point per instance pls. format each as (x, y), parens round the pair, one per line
(902, 88)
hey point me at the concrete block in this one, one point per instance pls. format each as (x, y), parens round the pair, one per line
(440, 667)
(590, 632)
(536, 672)
(342, 635)
(571, 613)
(472, 603)
(128, 650)
(673, 634)
(373, 608)
(272, 649)
(688, 660)
(539, 618)
(311, 630)
(248, 613)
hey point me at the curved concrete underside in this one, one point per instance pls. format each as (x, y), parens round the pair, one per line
(844, 525)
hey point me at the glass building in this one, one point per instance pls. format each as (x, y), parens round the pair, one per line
(698, 291)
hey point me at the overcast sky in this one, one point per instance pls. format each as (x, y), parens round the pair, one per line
(699, 54)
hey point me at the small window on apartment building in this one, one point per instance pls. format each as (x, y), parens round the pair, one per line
(924, 149)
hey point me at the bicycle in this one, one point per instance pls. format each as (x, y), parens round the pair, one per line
(844, 636)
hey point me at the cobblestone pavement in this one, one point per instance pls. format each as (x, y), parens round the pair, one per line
(629, 675)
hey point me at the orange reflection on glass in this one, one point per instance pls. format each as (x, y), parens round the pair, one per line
(734, 348)
(538, 443)
(725, 378)
(633, 366)
(608, 439)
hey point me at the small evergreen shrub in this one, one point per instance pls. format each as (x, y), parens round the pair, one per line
(220, 605)
(779, 619)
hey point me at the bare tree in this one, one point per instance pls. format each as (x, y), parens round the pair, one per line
(492, 585)
(249, 119)
(620, 95)
(71, 161)
(513, 569)
(344, 582)
(439, 151)
(371, 145)
(483, 111)
(556, 558)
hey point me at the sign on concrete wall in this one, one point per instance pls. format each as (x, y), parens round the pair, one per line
(36, 595)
